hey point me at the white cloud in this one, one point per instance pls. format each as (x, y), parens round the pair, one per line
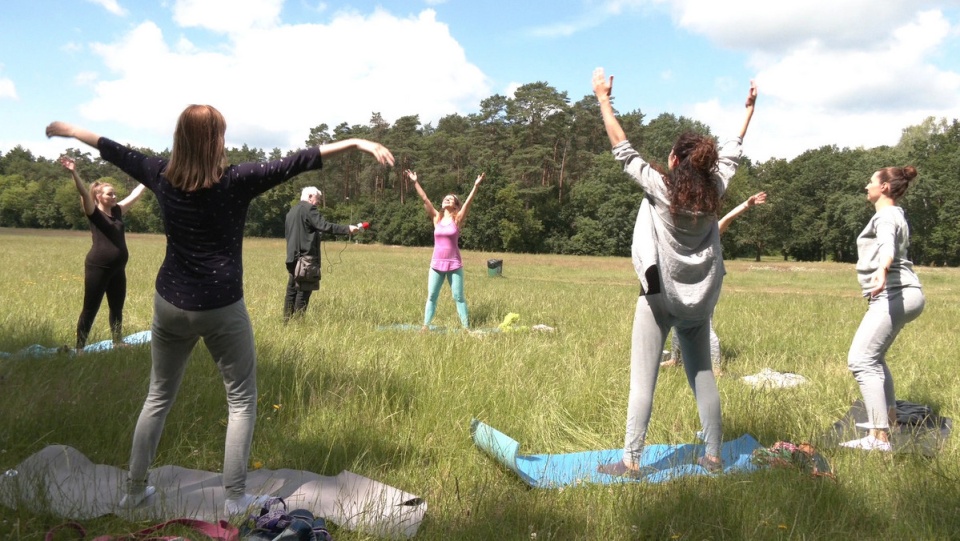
(860, 97)
(227, 16)
(785, 132)
(274, 84)
(85, 78)
(47, 148)
(112, 6)
(750, 24)
(847, 73)
(583, 21)
(7, 89)
(511, 89)
(754, 24)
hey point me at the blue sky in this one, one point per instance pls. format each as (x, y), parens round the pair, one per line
(851, 72)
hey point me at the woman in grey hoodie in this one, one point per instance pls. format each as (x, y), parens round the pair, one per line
(677, 256)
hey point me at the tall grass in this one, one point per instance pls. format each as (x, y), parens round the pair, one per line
(337, 392)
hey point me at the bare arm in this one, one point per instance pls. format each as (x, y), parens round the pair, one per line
(465, 208)
(129, 200)
(378, 151)
(758, 198)
(602, 88)
(86, 199)
(62, 129)
(750, 105)
(755, 199)
(427, 205)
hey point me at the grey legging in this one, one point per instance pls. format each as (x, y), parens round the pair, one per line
(886, 315)
(677, 355)
(651, 324)
(228, 336)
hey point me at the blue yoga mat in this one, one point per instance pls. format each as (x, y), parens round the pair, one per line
(664, 461)
(36, 350)
(142, 337)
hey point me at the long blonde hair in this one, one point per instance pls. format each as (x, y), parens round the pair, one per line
(199, 157)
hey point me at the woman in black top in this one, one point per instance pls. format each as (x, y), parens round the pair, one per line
(203, 202)
(104, 267)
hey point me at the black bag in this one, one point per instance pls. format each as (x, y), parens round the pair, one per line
(275, 524)
(306, 273)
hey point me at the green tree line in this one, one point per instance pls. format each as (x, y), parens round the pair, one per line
(552, 184)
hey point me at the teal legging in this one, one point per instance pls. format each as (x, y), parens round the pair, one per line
(434, 283)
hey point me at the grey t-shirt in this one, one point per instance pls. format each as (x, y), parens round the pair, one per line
(887, 234)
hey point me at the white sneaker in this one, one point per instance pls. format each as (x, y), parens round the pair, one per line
(129, 501)
(239, 505)
(869, 443)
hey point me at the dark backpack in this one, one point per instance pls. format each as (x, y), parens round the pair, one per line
(274, 523)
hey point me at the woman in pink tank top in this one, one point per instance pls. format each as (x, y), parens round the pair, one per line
(446, 263)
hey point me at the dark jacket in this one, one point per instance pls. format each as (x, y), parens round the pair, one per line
(304, 228)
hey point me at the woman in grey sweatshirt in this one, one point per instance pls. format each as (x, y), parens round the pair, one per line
(894, 299)
(677, 256)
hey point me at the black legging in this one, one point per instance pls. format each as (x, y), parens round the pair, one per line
(98, 281)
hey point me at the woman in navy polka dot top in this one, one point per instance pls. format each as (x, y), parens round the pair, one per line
(203, 204)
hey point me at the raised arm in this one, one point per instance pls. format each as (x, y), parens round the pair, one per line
(750, 104)
(602, 88)
(427, 205)
(378, 151)
(465, 208)
(755, 199)
(86, 199)
(129, 200)
(62, 129)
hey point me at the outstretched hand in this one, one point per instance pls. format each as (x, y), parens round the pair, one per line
(751, 95)
(479, 179)
(412, 175)
(378, 151)
(59, 129)
(757, 199)
(601, 86)
(68, 163)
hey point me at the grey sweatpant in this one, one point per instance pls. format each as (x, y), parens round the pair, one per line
(677, 355)
(651, 323)
(228, 336)
(886, 315)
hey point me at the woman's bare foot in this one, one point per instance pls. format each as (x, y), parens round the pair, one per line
(880, 434)
(622, 469)
(712, 464)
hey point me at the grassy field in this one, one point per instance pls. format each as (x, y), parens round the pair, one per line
(337, 393)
